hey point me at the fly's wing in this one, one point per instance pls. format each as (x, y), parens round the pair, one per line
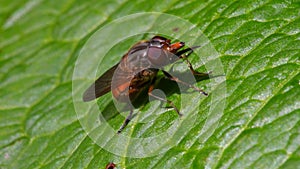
(101, 86)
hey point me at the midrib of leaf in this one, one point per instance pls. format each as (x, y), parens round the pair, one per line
(123, 159)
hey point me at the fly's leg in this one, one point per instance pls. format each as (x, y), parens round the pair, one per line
(184, 83)
(126, 121)
(162, 99)
(183, 54)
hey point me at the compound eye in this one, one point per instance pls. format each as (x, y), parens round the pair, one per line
(157, 56)
(154, 53)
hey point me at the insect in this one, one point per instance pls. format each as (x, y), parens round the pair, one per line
(110, 165)
(137, 72)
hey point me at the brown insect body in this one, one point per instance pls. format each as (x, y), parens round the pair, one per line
(137, 70)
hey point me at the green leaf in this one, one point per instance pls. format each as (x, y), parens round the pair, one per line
(258, 43)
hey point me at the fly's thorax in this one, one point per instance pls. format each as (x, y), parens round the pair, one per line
(137, 59)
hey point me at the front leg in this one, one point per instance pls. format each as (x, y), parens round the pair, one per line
(183, 54)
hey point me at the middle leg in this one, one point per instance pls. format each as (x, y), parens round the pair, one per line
(169, 76)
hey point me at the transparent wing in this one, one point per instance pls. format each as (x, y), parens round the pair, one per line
(101, 86)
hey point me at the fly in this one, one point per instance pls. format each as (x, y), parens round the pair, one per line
(137, 72)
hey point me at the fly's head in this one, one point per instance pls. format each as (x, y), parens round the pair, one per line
(161, 52)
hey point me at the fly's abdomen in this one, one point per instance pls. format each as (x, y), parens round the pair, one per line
(125, 88)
